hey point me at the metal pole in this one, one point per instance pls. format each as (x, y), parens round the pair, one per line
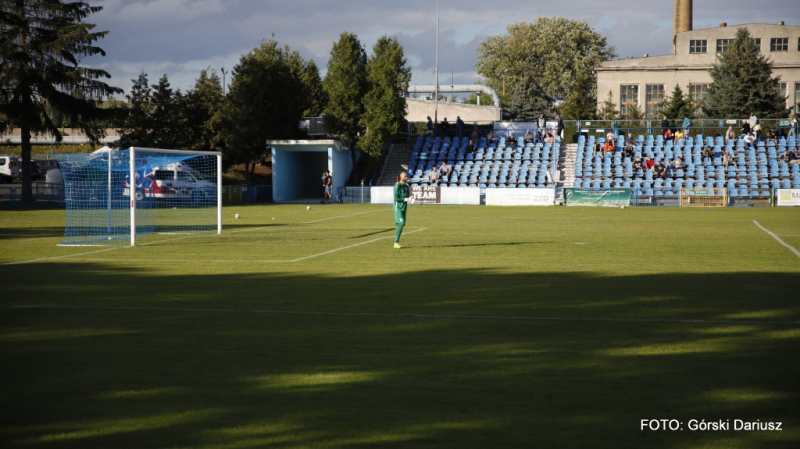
(108, 194)
(436, 87)
(132, 192)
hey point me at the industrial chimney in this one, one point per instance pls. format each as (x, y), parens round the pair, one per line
(682, 21)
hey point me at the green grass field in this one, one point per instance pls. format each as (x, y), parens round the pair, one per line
(492, 327)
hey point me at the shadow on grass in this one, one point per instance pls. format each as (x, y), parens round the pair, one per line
(107, 357)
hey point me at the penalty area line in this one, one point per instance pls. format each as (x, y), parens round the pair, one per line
(791, 248)
(408, 315)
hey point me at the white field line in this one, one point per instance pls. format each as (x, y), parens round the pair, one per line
(220, 261)
(409, 315)
(66, 256)
(791, 248)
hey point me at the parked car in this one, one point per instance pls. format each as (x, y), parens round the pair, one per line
(173, 181)
(45, 165)
(9, 168)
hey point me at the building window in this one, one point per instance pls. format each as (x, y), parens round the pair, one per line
(654, 95)
(781, 88)
(723, 45)
(698, 46)
(796, 98)
(779, 44)
(757, 41)
(696, 93)
(628, 96)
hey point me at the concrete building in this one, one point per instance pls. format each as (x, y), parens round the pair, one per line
(646, 81)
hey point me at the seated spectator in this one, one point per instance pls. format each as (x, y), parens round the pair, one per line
(538, 138)
(668, 135)
(638, 164)
(491, 137)
(679, 163)
(791, 157)
(630, 142)
(471, 146)
(708, 152)
(771, 137)
(629, 151)
(609, 145)
(474, 137)
(649, 163)
(610, 136)
(730, 134)
(597, 149)
(444, 169)
(548, 138)
(727, 159)
(511, 141)
(669, 171)
(659, 171)
(678, 137)
(528, 136)
(749, 140)
(434, 177)
(745, 127)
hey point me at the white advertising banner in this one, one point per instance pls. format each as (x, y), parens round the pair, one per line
(431, 195)
(520, 197)
(788, 197)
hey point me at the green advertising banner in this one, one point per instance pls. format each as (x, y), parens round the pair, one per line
(602, 198)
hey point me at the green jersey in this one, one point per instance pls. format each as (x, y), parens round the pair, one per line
(400, 194)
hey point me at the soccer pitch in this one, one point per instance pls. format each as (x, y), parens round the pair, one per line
(492, 327)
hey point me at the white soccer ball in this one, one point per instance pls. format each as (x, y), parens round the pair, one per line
(622, 207)
(273, 218)
(308, 207)
(238, 216)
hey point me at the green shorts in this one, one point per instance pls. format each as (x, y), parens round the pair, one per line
(400, 217)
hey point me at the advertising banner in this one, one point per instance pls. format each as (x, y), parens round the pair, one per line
(430, 195)
(607, 197)
(788, 197)
(520, 197)
(426, 194)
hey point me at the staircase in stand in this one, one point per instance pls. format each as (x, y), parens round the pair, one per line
(398, 155)
(565, 175)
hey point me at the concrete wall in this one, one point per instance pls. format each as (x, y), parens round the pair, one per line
(419, 110)
(297, 167)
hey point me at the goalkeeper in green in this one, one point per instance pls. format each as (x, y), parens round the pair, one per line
(401, 199)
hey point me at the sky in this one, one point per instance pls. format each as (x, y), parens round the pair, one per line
(181, 37)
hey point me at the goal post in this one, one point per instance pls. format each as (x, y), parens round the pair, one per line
(115, 197)
(704, 197)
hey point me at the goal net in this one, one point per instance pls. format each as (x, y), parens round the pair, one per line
(704, 197)
(113, 197)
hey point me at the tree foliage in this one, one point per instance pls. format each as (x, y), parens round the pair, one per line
(485, 99)
(266, 100)
(608, 111)
(345, 85)
(677, 105)
(317, 98)
(384, 104)
(580, 104)
(550, 58)
(742, 82)
(42, 43)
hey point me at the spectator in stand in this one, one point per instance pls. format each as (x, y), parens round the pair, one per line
(727, 160)
(528, 136)
(771, 137)
(459, 126)
(753, 121)
(792, 125)
(559, 127)
(665, 126)
(609, 145)
(490, 138)
(730, 134)
(679, 163)
(470, 146)
(549, 138)
(444, 125)
(678, 137)
(430, 126)
(445, 170)
(538, 138)
(790, 156)
(434, 177)
(659, 171)
(749, 140)
(649, 163)
(745, 127)
(597, 149)
(708, 152)
(610, 136)
(542, 122)
(687, 125)
(638, 164)
(474, 137)
(757, 132)
(511, 141)
(668, 136)
(669, 171)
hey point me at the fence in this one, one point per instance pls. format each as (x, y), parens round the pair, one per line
(41, 192)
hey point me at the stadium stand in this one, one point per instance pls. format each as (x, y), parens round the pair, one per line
(490, 165)
(752, 171)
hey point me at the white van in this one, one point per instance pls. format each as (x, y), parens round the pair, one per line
(174, 181)
(9, 168)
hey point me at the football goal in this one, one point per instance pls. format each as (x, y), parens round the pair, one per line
(115, 196)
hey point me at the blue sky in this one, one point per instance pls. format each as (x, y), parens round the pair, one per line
(181, 37)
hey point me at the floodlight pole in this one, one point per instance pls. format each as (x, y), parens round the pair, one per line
(436, 87)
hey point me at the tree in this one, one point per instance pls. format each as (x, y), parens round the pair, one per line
(316, 93)
(554, 53)
(42, 43)
(384, 103)
(609, 110)
(198, 109)
(580, 103)
(485, 99)
(677, 106)
(528, 101)
(266, 100)
(741, 82)
(155, 117)
(345, 86)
